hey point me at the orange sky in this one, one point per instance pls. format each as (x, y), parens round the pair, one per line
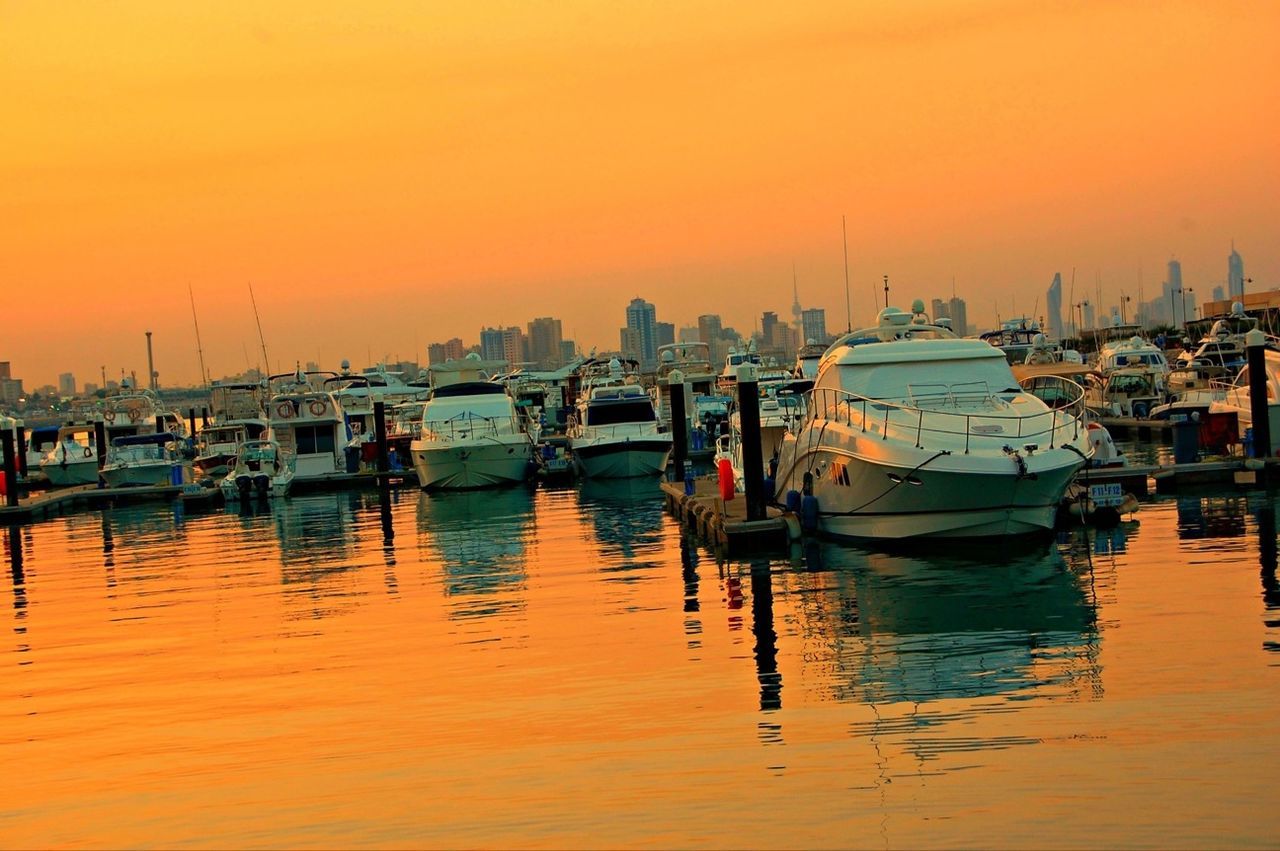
(393, 176)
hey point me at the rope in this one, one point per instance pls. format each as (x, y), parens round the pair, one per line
(891, 488)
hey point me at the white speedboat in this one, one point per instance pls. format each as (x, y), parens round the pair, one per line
(73, 460)
(472, 434)
(911, 432)
(237, 410)
(260, 470)
(40, 441)
(143, 459)
(614, 433)
(308, 425)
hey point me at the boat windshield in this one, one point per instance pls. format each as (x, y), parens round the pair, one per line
(623, 411)
(913, 379)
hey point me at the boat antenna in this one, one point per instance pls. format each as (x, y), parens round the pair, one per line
(848, 312)
(886, 290)
(266, 362)
(204, 376)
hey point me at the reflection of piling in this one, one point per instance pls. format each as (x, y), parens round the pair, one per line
(679, 424)
(380, 433)
(766, 649)
(22, 451)
(752, 452)
(10, 467)
(100, 440)
(1255, 345)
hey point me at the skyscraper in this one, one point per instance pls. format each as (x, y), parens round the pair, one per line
(709, 328)
(514, 348)
(642, 317)
(1087, 313)
(544, 342)
(939, 309)
(666, 333)
(1235, 275)
(814, 325)
(66, 384)
(959, 314)
(1053, 303)
(1172, 284)
(491, 344)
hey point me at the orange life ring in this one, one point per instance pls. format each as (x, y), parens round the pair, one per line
(284, 410)
(109, 416)
(317, 407)
(135, 414)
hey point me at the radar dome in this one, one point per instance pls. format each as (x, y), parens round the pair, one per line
(917, 306)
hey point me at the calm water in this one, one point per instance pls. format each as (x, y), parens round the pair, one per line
(560, 668)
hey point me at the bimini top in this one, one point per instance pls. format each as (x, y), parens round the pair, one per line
(144, 439)
(911, 350)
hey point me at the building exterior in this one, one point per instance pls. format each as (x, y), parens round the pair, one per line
(688, 334)
(449, 350)
(959, 315)
(1053, 308)
(1087, 316)
(568, 351)
(666, 333)
(939, 309)
(66, 384)
(1219, 294)
(544, 342)
(709, 328)
(631, 343)
(813, 325)
(10, 387)
(491, 344)
(515, 349)
(642, 317)
(1235, 275)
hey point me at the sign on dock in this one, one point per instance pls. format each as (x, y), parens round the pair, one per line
(1106, 494)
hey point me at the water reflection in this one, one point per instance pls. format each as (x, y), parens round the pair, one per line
(13, 552)
(317, 550)
(900, 627)
(479, 538)
(1266, 518)
(1212, 516)
(627, 515)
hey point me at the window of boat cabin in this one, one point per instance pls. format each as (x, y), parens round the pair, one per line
(628, 411)
(314, 440)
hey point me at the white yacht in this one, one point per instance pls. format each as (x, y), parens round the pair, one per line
(693, 361)
(238, 414)
(1236, 397)
(735, 358)
(307, 422)
(911, 432)
(472, 434)
(1124, 346)
(143, 459)
(615, 429)
(133, 412)
(73, 460)
(260, 470)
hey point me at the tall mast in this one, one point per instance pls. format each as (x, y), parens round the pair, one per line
(204, 376)
(265, 363)
(848, 311)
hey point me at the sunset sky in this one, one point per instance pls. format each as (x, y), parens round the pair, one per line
(392, 174)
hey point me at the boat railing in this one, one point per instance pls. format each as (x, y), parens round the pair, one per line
(937, 428)
(632, 429)
(467, 426)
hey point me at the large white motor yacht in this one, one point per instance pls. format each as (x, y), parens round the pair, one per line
(615, 430)
(911, 432)
(473, 435)
(1236, 397)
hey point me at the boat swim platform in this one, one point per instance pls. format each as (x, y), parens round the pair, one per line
(724, 524)
(42, 504)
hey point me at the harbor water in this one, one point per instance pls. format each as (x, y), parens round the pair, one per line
(563, 668)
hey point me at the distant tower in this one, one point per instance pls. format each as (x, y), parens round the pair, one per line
(1235, 274)
(642, 317)
(1054, 302)
(797, 312)
(151, 365)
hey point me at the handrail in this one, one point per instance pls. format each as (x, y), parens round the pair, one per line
(923, 426)
(467, 426)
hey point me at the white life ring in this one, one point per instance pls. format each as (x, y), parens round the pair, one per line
(284, 410)
(317, 407)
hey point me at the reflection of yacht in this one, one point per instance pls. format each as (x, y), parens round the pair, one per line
(913, 432)
(472, 434)
(260, 470)
(480, 537)
(142, 459)
(961, 625)
(615, 434)
(626, 513)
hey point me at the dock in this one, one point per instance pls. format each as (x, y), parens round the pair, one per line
(724, 523)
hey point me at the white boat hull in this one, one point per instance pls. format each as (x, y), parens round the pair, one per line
(622, 457)
(950, 497)
(447, 465)
(83, 472)
(277, 487)
(138, 475)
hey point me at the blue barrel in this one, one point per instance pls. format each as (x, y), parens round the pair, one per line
(809, 513)
(1186, 442)
(175, 475)
(688, 483)
(792, 502)
(769, 488)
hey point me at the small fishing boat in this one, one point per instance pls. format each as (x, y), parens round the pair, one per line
(143, 459)
(260, 470)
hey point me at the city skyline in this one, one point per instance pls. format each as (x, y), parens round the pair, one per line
(390, 177)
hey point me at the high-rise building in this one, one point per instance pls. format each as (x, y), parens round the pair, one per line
(544, 342)
(769, 329)
(814, 325)
(688, 334)
(709, 328)
(631, 343)
(1087, 314)
(666, 332)
(1219, 294)
(940, 309)
(959, 316)
(66, 384)
(515, 349)
(642, 317)
(4, 371)
(1235, 275)
(10, 387)
(491, 344)
(1053, 302)
(446, 351)
(568, 351)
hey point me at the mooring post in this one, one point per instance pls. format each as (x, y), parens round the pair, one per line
(1255, 345)
(380, 432)
(752, 452)
(191, 421)
(160, 423)
(679, 423)
(204, 417)
(22, 451)
(10, 467)
(100, 446)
